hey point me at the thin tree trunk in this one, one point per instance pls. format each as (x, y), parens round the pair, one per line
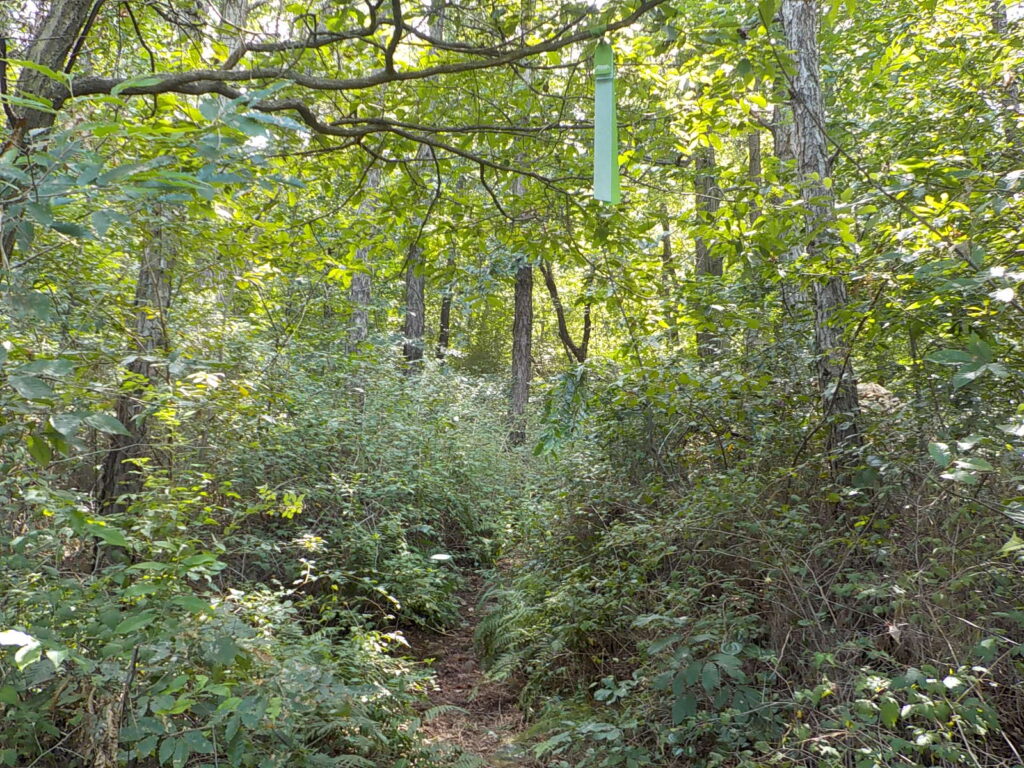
(152, 301)
(833, 354)
(415, 278)
(576, 353)
(444, 325)
(522, 350)
(752, 335)
(707, 263)
(522, 323)
(794, 298)
(415, 306)
(667, 289)
(360, 290)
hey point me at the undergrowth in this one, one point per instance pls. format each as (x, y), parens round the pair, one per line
(690, 595)
(248, 602)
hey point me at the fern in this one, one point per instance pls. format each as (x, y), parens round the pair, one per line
(468, 760)
(353, 761)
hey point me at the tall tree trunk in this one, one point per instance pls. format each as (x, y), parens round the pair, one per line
(444, 324)
(522, 351)
(415, 278)
(708, 264)
(833, 354)
(60, 35)
(152, 300)
(752, 335)
(667, 288)
(360, 290)
(415, 305)
(794, 298)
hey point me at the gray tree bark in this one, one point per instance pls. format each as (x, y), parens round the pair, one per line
(794, 298)
(360, 290)
(57, 40)
(522, 351)
(415, 278)
(833, 354)
(152, 301)
(707, 264)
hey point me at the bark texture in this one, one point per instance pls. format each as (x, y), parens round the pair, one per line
(522, 351)
(708, 264)
(152, 301)
(414, 327)
(360, 290)
(59, 36)
(794, 298)
(415, 306)
(667, 289)
(832, 353)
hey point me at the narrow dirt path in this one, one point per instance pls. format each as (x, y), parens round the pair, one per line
(487, 719)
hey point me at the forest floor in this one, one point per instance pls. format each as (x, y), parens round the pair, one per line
(485, 718)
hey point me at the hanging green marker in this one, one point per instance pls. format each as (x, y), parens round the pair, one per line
(606, 132)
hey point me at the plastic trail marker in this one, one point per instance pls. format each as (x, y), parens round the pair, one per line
(606, 132)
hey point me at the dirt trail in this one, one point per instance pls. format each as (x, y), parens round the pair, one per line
(487, 719)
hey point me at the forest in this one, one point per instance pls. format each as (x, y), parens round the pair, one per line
(490, 383)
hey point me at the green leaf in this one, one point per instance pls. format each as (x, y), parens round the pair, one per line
(224, 651)
(136, 622)
(135, 82)
(28, 654)
(8, 695)
(51, 367)
(66, 424)
(71, 229)
(940, 454)
(197, 742)
(967, 374)
(167, 749)
(950, 357)
(39, 449)
(976, 463)
(104, 422)
(191, 603)
(889, 711)
(710, 677)
(684, 708)
(766, 11)
(31, 388)
(110, 535)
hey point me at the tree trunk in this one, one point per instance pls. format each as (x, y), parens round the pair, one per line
(444, 324)
(833, 355)
(522, 349)
(59, 36)
(667, 289)
(415, 306)
(360, 290)
(794, 298)
(576, 353)
(152, 300)
(415, 278)
(752, 338)
(707, 263)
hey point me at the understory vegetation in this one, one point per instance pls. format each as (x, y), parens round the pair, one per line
(309, 327)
